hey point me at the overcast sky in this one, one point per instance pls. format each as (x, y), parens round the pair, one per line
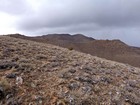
(100, 19)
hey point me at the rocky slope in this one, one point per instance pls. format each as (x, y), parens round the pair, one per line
(114, 50)
(34, 73)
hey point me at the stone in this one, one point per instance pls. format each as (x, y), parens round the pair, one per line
(71, 100)
(106, 80)
(86, 89)
(12, 75)
(72, 71)
(33, 85)
(19, 80)
(73, 86)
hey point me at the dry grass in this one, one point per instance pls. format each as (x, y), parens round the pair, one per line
(57, 76)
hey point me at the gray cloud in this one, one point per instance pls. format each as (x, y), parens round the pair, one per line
(98, 18)
(14, 7)
(109, 13)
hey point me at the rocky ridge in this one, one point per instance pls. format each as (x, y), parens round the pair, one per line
(34, 73)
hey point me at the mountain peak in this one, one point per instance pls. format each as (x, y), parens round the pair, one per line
(68, 37)
(81, 36)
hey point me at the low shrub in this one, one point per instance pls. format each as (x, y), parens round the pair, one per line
(70, 48)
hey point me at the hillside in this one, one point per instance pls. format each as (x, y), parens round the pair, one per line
(34, 73)
(114, 50)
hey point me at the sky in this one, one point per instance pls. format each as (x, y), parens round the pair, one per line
(100, 19)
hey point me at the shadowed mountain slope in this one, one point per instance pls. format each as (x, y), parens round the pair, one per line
(114, 50)
(34, 73)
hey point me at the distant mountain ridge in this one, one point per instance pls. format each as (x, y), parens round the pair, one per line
(68, 37)
(115, 50)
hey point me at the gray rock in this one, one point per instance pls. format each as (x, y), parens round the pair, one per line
(33, 85)
(71, 100)
(72, 71)
(73, 86)
(86, 89)
(12, 75)
(106, 80)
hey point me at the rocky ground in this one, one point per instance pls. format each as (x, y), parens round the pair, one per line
(32, 73)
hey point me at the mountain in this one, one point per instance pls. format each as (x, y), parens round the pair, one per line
(33, 73)
(67, 37)
(115, 50)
